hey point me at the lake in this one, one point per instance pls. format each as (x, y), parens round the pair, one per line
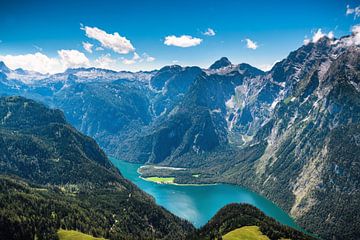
(198, 203)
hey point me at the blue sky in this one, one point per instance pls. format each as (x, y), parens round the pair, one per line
(150, 31)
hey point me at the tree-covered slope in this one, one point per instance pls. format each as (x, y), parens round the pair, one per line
(55, 177)
(234, 216)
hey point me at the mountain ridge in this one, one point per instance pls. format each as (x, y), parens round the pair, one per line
(233, 124)
(54, 177)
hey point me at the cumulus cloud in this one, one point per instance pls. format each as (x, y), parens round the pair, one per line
(356, 32)
(73, 58)
(113, 41)
(42, 63)
(106, 62)
(138, 59)
(318, 35)
(88, 46)
(354, 39)
(355, 11)
(182, 41)
(209, 32)
(251, 44)
(132, 60)
(36, 62)
(147, 58)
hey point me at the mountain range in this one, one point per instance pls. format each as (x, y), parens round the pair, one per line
(53, 178)
(291, 133)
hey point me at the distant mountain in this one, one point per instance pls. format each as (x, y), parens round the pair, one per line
(54, 177)
(222, 62)
(4, 68)
(290, 134)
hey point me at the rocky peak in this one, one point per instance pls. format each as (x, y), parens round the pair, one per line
(3, 67)
(222, 62)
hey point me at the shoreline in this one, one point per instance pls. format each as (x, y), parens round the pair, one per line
(180, 184)
(291, 222)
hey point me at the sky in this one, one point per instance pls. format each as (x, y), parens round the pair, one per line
(50, 36)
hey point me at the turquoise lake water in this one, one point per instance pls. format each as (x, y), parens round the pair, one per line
(198, 204)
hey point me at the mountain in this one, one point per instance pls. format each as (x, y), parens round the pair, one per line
(290, 134)
(3, 67)
(54, 177)
(236, 216)
(195, 125)
(222, 62)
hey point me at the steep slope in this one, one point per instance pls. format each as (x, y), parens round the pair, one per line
(53, 177)
(234, 216)
(300, 145)
(290, 134)
(109, 112)
(312, 155)
(106, 105)
(221, 63)
(66, 181)
(197, 124)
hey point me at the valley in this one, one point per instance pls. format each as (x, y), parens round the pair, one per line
(56, 183)
(179, 120)
(198, 203)
(289, 134)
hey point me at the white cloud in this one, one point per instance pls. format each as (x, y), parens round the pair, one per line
(251, 44)
(182, 41)
(132, 60)
(73, 58)
(306, 41)
(138, 59)
(209, 32)
(148, 58)
(318, 35)
(136, 56)
(356, 34)
(42, 63)
(113, 41)
(267, 67)
(37, 62)
(355, 11)
(99, 49)
(88, 46)
(106, 62)
(330, 35)
(354, 39)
